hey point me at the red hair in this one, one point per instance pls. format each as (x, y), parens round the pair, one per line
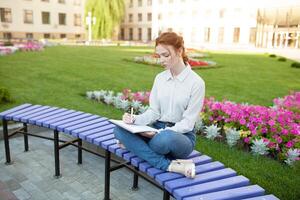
(172, 39)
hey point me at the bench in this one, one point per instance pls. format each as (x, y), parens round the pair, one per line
(213, 180)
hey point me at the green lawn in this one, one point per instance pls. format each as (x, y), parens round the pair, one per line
(60, 76)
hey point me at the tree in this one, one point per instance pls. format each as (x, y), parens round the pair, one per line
(109, 14)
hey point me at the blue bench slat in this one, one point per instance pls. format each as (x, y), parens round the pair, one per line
(194, 154)
(14, 109)
(128, 156)
(212, 186)
(120, 152)
(264, 197)
(11, 115)
(136, 161)
(200, 178)
(28, 117)
(60, 118)
(113, 148)
(97, 132)
(144, 166)
(39, 122)
(69, 121)
(97, 123)
(200, 160)
(25, 114)
(99, 140)
(80, 123)
(107, 143)
(231, 194)
(34, 119)
(90, 138)
(164, 176)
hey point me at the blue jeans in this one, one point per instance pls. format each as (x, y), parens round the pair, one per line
(161, 149)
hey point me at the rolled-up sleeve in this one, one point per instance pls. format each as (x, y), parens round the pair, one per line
(191, 114)
(153, 112)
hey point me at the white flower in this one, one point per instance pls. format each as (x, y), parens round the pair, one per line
(89, 94)
(117, 100)
(108, 99)
(199, 126)
(110, 93)
(232, 136)
(97, 95)
(102, 93)
(143, 109)
(259, 147)
(292, 156)
(136, 104)
(212, 131)
(125, 104)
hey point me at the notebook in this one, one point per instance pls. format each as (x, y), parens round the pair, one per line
(132, 127)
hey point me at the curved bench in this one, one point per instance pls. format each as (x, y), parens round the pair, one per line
(213, 179)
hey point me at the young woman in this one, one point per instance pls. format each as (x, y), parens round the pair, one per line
(176, 100)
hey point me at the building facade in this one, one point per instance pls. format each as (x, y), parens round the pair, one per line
(215, 23)
(37, 19)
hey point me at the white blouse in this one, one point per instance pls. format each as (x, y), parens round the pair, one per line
(175, 99)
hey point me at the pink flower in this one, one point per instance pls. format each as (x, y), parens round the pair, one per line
(279, 140)
(242, 121)
(247, 140)
(289, 144)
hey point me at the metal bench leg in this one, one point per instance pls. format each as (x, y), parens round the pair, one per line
(56, 154)
(25, 137)
(79, 151)
(166, 195)
(6, 142)
(107, 175)
(135, 180)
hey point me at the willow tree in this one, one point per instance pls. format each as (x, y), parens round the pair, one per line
(108, 13)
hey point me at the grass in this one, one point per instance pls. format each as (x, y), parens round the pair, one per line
(60, 76)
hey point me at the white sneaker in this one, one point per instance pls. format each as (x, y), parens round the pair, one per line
(185, 167)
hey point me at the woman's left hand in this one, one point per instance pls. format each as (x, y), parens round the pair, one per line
(148, 134)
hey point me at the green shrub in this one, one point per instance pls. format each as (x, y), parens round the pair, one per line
(4, 95)
(295, 64)
(282, 59)
(272, 55)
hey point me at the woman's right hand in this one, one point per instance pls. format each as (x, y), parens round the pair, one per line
(127, 118)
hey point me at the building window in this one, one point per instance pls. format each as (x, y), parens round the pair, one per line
(159, 17)
(130, 16)
(45, 17)
(222, 13)
(149, 2)
(171, 1)
(131, 4)
(140, 17)
(28, 16)
(63, 36)
(45, 0)
(140, 33)
(62, 1)
(221, 35)
(5, 14)
(149, 17)
(77, 19)
(161, 2)
(77, 2)
(29, 35)
(140, 3)
(252, 37)
(62, 18)
(206, 34)
(131, 34)
(47, 35)
(149, 34)
(77, 36)
(7, 36)
(122, 34)
(236, 35)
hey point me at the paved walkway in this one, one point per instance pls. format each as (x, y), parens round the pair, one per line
(31, 175)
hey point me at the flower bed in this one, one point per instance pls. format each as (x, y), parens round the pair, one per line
(273, 131)
(21, 46)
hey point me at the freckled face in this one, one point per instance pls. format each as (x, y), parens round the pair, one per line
(167, 55)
